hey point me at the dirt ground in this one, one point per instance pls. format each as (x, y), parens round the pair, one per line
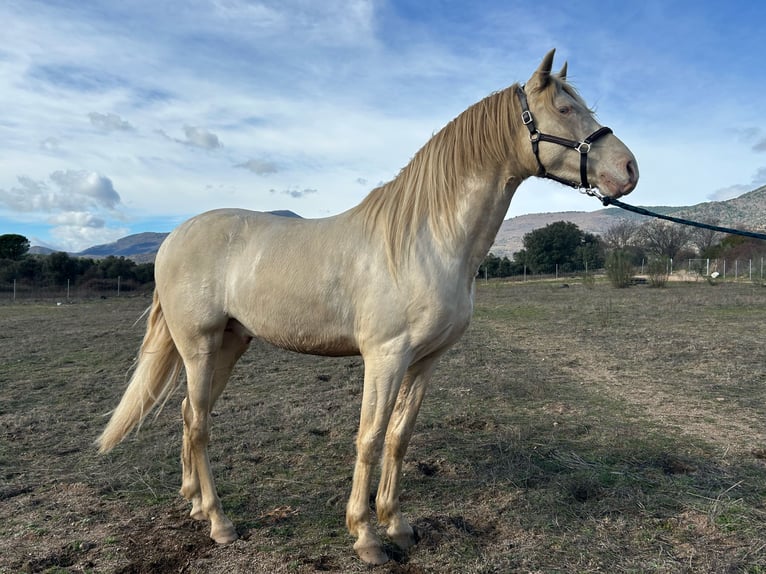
(573, 429)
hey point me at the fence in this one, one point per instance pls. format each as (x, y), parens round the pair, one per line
(727, 269)
(30, 290)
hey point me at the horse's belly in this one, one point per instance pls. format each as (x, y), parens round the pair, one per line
(312, 344)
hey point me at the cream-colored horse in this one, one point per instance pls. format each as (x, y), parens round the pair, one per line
(391, 279)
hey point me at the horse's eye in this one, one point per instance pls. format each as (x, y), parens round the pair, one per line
(564, 110)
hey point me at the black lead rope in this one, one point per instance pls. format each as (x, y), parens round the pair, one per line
(607, 201)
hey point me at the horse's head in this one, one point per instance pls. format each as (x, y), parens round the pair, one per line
(567, 142)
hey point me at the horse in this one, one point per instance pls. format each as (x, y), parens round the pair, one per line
(390, 279)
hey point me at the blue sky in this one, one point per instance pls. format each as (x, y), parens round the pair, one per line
(123, 117)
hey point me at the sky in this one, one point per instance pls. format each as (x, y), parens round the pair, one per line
(131, 116)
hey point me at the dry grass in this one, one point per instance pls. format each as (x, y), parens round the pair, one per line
(571, 430)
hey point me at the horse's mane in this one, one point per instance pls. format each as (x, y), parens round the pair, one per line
(428, 188)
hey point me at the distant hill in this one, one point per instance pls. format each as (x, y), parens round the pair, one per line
(140, 247)
(748, 211)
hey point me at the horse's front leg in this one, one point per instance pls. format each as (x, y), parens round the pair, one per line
(398, 436)
(382, 378)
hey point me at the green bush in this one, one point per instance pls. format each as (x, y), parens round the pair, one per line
(619, 269)
(658, 271)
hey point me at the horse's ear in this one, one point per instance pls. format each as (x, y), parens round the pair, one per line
(563, 73)
(542, 75)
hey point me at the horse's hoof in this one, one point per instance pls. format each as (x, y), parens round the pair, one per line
(372, 555)
(224, 535)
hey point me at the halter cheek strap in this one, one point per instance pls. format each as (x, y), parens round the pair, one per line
(536, 136)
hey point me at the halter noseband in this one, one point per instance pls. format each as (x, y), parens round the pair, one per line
(536, 136)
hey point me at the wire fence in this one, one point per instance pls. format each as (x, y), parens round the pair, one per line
(16, 290)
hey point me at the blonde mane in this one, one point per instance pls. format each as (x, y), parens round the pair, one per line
(428, 188)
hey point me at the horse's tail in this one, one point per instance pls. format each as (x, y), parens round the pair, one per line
(155, 377)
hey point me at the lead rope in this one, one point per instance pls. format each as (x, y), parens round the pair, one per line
(607, 201)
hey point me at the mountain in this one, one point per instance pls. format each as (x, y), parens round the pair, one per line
(748, 211)
(141, 247)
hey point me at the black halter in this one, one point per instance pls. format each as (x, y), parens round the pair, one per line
(535, 137)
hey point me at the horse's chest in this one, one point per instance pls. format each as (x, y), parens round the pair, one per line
(441, 324)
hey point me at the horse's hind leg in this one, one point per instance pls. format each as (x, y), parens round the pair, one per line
(398, 437)
(231, 350)
(205, 381)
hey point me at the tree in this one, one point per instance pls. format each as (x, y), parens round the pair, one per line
(561, 243)
(492, 266)
(705, 239)
(621, 235)
(738, 247)
(664, 239)
(61, 267)
(624, 236)
(13, 246)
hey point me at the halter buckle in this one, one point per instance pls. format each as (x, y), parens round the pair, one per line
(583, 147)
(526, 117)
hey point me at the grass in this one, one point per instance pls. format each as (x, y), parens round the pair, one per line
(571, 430)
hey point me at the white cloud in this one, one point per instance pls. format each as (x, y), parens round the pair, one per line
(109, 122)
(760, 176)
(50, 144)
(72, 190)
(732, 191)
(729, 192)
(199, 137)
(76, 238)
(295, 193)
(259, 166)
(90, 188)
(78, 230)
(77, 219)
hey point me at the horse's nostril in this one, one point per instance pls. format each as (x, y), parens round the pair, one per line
(632, 171)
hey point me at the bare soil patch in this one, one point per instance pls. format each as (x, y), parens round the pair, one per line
(571, 430)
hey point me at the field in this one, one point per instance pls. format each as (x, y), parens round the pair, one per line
(573, 429)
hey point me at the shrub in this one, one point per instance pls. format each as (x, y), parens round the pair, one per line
(658, 269)
(619, 269)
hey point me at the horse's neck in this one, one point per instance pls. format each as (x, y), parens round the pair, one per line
(481, 215)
